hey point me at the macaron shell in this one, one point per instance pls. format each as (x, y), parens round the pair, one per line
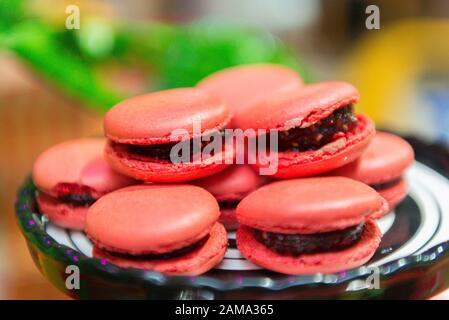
(62, 214)
(231, 184)
(193, 263)
(394, 194)
(329, 157)
(244, 85)
(297, 108)
(153, 118)
(326, 262)
(228, 218)
(79, 161)
(165, 171)
(381, 211)
(385, 159)
(309, 205)
(151, 218)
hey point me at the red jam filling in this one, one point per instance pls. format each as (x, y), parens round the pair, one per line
(296, 244)
(74, 194)
(162, 151)
(319, 134)
(168, 255)
(228, 204)
(385, 185)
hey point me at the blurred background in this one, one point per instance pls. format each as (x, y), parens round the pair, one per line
(56, 83)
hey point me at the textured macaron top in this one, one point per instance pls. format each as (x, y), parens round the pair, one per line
(298, 108)
(310, 205)
(154, 117)
(79, 162)
(386, 158)
(243, 85)
(151, 218)
(231, 184)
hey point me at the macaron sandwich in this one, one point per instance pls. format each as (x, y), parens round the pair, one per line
(317, 128)
(70, 177)
(166, 228)
(242, 86)
(382, 166)
(142, 132)
(310, 225)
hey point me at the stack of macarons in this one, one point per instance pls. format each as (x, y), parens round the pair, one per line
(158, 194)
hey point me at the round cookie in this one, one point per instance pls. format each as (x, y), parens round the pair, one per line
(317, 128)
(382, 166)
(70, 176)
(143, 131)
(311, 225)
(167, 228)
(241, 86)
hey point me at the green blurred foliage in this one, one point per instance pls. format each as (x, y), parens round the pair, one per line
(37, 44)
(174, 55)
(11, 12)
(203, 48)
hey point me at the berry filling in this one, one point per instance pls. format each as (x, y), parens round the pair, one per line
(385, 185)
(319, 134)
(161, 152)
(229, 204)
(159, 256)
(74, 194)
(83, 200)
(296, 244)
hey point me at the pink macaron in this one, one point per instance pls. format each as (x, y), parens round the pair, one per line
(166, 228)
(382, 167)
(70, 177)
(163, 136)
(311, 225)
(229, 187)
(244, 85)
(316, 125)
